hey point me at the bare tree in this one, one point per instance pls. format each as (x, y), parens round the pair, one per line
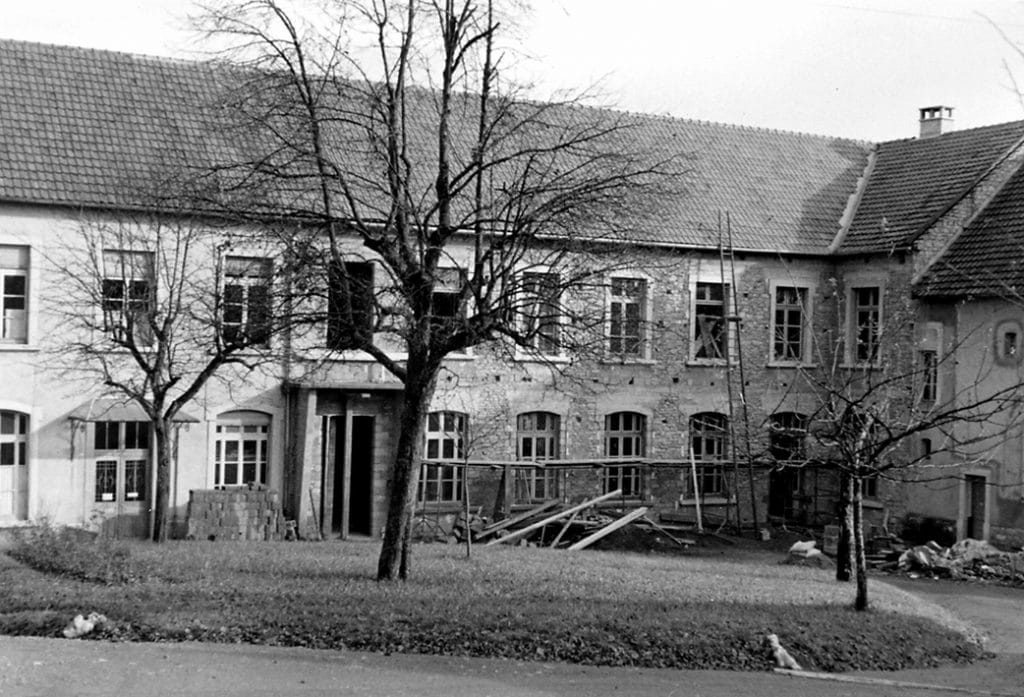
(882, 389)
(153, 307)
(393, 124)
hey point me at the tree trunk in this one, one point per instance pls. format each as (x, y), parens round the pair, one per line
(860, 562)
(394, 554)
(162, 440)
(844, 550)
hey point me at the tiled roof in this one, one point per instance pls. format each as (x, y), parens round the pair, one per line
(77, 124)
(987, 259)
(913, 181)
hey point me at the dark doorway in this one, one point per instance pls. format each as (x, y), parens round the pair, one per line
(781, 484)
(360, 501)
(974, 527)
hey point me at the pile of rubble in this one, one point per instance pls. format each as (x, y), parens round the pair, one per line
(966, 559)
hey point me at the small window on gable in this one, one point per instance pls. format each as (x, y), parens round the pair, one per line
(1008, 342)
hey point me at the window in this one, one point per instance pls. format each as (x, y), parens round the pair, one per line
(13, 465)
(789, 324)
(709, 444)
(540, 323)
(869, 486)
(446, 436)
(14, 294)
(624, 438)
(246, 301)
(13, 438)
(929, 361)
(866, 323)
(122, 448)
(787, 432)
(350, 324)
(127, 291)
(627, 309)
(537, 440)
(710, 335)
(1007, 343)
(926, 449)
(240, 449)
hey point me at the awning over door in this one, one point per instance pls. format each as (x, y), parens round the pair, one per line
(115, 409)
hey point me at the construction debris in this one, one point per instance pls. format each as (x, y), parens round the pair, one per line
(80, 626)
(806, 553)
(966, 559)
(781, 656)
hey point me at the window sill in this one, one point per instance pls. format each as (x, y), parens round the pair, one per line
(23, 348)
(628, 361)
(860, 366)
(708, 362)
(872, 503)
(530, 358)
(708, 501)
(791, 365)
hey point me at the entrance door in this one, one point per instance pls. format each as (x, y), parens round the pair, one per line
(974, 525)
(781, 484)
(122, 471)
(360, 501)
(13, 466)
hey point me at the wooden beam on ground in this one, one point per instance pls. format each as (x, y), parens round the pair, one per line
(558, 537)
(610, 528)
(558, 516)
(508, 522)
(684, 543)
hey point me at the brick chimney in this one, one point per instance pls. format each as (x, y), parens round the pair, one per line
(936, 120)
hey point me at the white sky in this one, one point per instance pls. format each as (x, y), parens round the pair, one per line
(852, 68)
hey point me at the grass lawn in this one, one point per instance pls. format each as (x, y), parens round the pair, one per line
(601, 608)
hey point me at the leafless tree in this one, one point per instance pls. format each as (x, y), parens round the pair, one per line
(150, 310)
(878, 389)
(493, 218)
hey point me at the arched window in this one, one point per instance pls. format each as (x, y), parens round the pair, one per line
(13, 461)
(709, 443)
(240, 448)
(537, 439)
(624, 437)
(446, 436)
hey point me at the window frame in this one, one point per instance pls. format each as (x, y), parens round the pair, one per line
(439, 475)
(1003, 329)
(710, 466)
(542, 343)
(642, 336)
(128, 302)
(122, 461)
(806, 308)
(239, 428)
(629, 478)
(250, 329)
(795, 430)
(15, 262)
(533, 479)
(363, 273)
(854, 326)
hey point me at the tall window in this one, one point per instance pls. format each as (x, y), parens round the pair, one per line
(787, 434)
(789, 323)
(13, 294)
(624, 436)
(13, 465)
(246, 302)
(446, 436)
(122, 460)
(128, 295)
(240, 448)
(709, 442)
(537, 435)
(710, 335)
(350, 314)
(929, 361)
(867, 323)
(627, 310)
(541, 312)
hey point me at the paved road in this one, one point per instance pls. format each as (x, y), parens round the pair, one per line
(36, 666)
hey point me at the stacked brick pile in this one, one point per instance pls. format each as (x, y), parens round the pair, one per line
(234, 514)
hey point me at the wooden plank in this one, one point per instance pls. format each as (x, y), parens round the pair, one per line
(508, 522)
(681, 542)
(558, 516)
(610, 528)
(558, 537)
